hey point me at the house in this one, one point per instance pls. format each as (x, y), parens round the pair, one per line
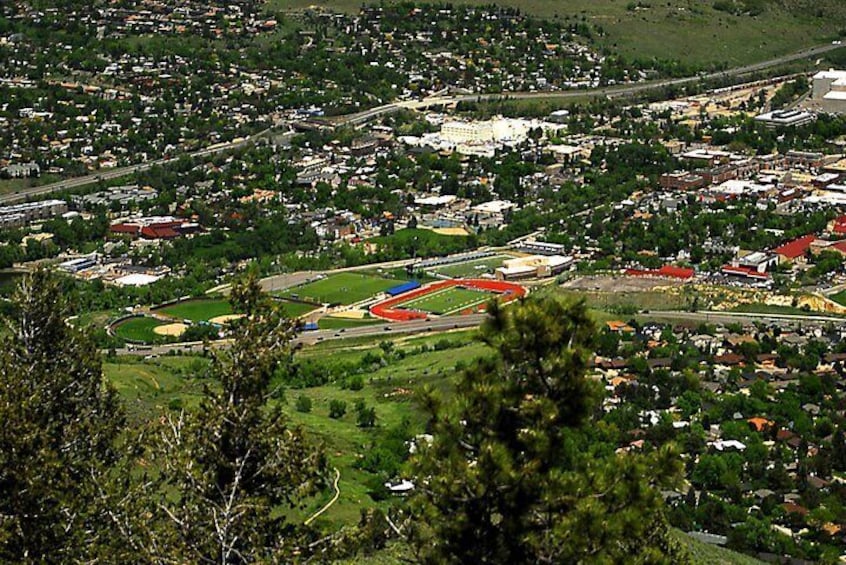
(618, 326)
(760, 424)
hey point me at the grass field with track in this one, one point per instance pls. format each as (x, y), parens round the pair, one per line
(201, 310)
(447, 301)
(341, 288)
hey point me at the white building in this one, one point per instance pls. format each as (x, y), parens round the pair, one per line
(828, 93)
(785, 118)
(534, 266)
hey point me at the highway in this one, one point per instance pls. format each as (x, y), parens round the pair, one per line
(438, 99)
(108, 174)
(716, 317)
(610, 91)
(310, 338)
(474, 320)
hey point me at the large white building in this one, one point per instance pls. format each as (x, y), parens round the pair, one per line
(828, 93)
(534, 266)
(500, 130)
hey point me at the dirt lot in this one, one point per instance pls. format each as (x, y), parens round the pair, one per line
(618, 284)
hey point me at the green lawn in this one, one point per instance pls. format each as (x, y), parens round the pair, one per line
(840, 297)
(690, 31)
(8, 186)
(197, 310)
(704, 554)
(622, 301)
(341, 288)
(139, 329)
(447, 301)
(470, 269)
(775, 309)
(295, 309)
(152, 386)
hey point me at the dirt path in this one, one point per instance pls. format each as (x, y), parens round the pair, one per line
(331, 502)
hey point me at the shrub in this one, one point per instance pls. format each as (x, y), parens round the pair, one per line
(366, 417)
(303, 404)
(337, 409)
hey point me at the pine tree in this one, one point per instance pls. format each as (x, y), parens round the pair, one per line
(511, 475)
(60, 422)
(219, 476)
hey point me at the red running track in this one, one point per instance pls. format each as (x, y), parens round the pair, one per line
(387, 308)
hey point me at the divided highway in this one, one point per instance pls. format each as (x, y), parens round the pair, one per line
(388, 329)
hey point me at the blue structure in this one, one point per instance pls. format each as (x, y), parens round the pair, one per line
(402, 288)
(310, 326)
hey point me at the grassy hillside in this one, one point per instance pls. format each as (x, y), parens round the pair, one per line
(693, 31)
(704, 554)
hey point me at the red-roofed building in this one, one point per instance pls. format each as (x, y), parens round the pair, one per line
(838, 225)
(159, 232)
(794, 250)
(125, 229)
(747, 272)
(154, 227)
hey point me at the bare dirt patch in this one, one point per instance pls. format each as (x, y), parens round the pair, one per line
(173, 330)
(619, 284)
(225, 318)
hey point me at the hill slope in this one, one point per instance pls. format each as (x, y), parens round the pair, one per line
(730, 32)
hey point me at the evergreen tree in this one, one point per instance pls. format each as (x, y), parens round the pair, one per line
(59, 426)
(219, 475)
(511, 475)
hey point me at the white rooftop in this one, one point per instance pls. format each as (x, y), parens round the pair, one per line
(137, 279)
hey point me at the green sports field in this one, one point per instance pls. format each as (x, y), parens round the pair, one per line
(295, 309)
(341, 288)
(197, 310)
(138, 329)
(448, 301)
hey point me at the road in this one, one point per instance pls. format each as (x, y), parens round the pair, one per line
(610, 91)
(119, 172)
(712, 317)
(310, 338)
(438, 99)
(474, 320)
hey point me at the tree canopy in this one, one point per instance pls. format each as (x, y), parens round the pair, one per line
(511, 476)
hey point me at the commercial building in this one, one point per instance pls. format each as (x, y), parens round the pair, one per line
(681, 180)
(541, 248)
(785, 118)
(794, 250)
(19, 215)
(534, 266)
(154, 227)
(828, 92)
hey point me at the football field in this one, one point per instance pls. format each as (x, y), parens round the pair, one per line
(448, 301)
